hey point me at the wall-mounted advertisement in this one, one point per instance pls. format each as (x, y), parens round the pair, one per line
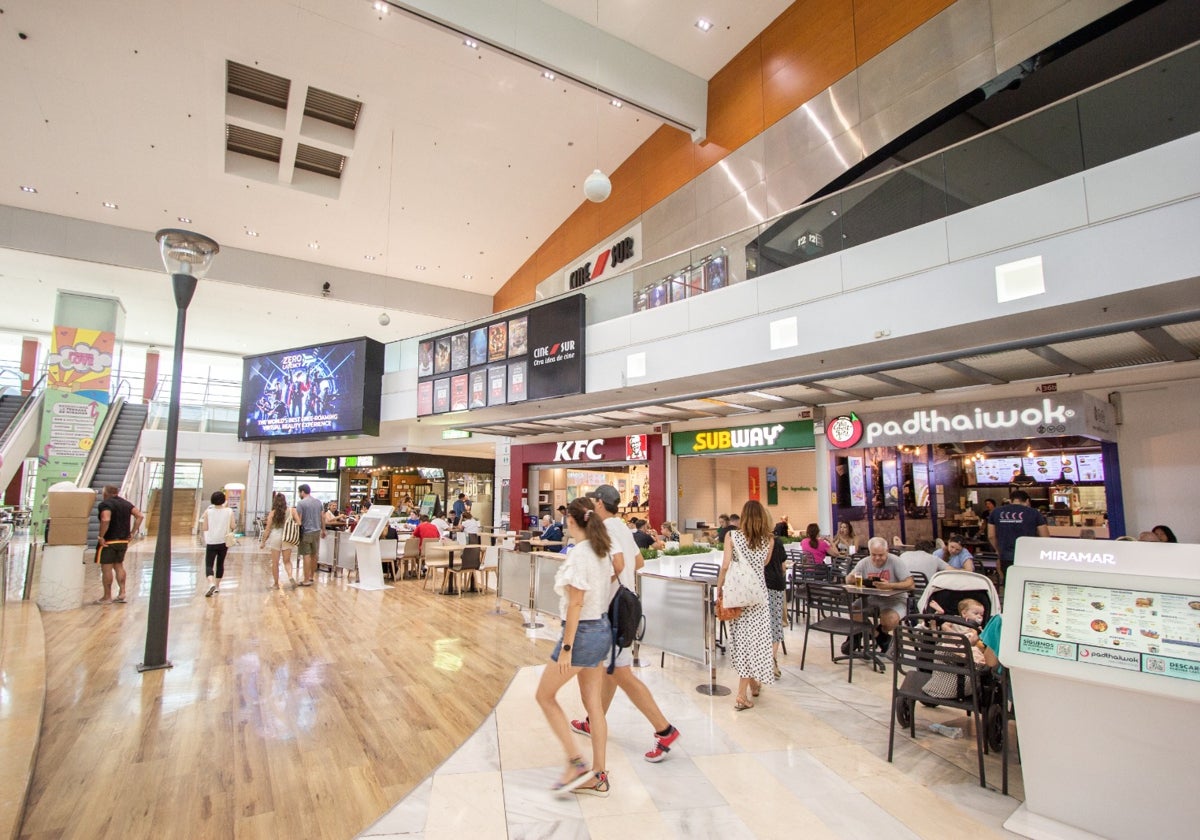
(858, 488)
(497, 377)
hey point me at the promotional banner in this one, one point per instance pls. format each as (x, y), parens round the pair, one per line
(858, 489)
(772, 486)
(754, 488)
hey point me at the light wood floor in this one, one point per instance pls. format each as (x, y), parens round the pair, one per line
(297, 714)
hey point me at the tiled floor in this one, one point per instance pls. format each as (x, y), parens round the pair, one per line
(808, 761)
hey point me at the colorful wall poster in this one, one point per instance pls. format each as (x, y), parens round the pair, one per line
(458, 392)
(516, 382)
(458, 351)
(441, 355)
(478, 389)
(424, 398)
(518, 336)
(498, 342)
(478, 354)
(497, 377)
(441, 396)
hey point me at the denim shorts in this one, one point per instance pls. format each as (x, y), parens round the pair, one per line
(593, 642)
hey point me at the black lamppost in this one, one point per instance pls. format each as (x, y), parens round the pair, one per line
(187, 257)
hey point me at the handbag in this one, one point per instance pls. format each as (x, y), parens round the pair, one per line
(230, 539)
(291, 531)
(725, 613)
(742, 588)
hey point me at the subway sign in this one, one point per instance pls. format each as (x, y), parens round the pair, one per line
(767, 437)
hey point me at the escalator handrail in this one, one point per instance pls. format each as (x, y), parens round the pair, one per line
(26, 406)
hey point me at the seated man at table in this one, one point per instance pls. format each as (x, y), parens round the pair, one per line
(643, 538)
(469, 524)
(956, 554)
(425, 530)
(887, 573)
(440, 522)
(552, 531)
(924, 559)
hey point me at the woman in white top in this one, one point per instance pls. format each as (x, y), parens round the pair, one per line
(583, 586)
(272, 539)
(217, 521)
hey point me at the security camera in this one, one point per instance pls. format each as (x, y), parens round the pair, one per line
(325, 288)
(384, 319)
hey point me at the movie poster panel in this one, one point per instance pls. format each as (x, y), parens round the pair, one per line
(716, 273)
(695, 280)
(458, 352)
(678, 287)
(478, 347)
(441, 396)
(478, 389)
(516, 382)
(441, 355)
(424, 398)
(518, 336)
(458, 391)
(497, 384)
(425, 358)
(498, 342)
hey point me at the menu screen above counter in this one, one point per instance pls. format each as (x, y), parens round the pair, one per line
(1091, 466)
(1047, 469)
(996, 470)
(1151, 632)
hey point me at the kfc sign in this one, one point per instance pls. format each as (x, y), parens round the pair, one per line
(624, 250)
(578, 450)
(636, 448)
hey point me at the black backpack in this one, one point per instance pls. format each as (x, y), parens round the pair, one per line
(628, 623)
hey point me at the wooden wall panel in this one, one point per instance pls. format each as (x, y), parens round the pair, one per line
(880, 23)
(519, 289)
(735, 99)
(806, 49)
(668, 162)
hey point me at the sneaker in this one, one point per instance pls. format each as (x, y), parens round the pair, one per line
(210, 592)
(598, 788)
(583, 727)
(662, 746)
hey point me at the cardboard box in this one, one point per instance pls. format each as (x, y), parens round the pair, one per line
(65, 499)
(67, 530)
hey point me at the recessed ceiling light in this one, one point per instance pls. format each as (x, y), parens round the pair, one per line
(369, 257)
(467, 42)
(252, 233)
(468, 276)
(616, 103)
(381, 7)
(548, 76)
(184, 219)
(316, 246)
(704, 25)
(28, 189)
(420, 268)
(109, 205)
(832, 212)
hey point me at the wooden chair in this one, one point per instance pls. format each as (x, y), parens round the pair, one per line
(469, 563)
(441, 564)
(410, 558)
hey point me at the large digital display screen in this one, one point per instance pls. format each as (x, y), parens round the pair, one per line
(1047, 469)
(535, 355)
(1091, 466)
(997, 470)
(1151, 632)
(312, 392)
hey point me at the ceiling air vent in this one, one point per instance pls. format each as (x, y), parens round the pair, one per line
(331, 108)
(256, 84)
(320, 161)
(252, 143)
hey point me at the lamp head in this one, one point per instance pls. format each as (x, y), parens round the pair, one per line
(597, 187)
(184, 252)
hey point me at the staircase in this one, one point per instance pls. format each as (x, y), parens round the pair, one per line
(9, 405)
(183, 511)
(117, 455)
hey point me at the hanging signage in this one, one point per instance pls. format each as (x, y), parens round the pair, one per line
(772, 486)
(625, 249)
(858, 487)
(636, 448)
(765, 438)
(754, 488)
(1054, 416)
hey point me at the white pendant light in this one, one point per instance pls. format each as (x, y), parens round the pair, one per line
(597, 187)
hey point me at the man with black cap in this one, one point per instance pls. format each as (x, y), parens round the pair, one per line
(627, 559)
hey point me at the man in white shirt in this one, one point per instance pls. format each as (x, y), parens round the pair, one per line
(628, 559)
(441, 524)
(923, 560)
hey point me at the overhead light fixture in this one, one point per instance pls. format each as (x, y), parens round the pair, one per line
(316, 246)
(704, 25)
(252, 233)
(109, 205)
(548, 76)
(369, 257)
(381, 7)
(616, 103)
(184, 219)
(764, 395)
(28, 189)
(468, 276)
(597, 187)
(467, 42)
(420, 268)
(832, 212)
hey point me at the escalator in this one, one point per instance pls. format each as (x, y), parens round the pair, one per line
(10, 404)
(116, 445)
(20, 418)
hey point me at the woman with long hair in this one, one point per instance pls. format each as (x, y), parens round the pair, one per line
(844, 540)
(750, 633)
(814, 545)
(272, 539)
(583, 584)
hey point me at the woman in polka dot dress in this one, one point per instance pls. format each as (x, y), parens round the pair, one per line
(750, 633)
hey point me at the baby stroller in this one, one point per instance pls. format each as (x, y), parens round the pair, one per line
(946, 588)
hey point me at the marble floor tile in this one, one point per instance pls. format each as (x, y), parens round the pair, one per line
(921, 810)
(408, 817)
(853, 816)
(470, 804)
(767, 807)
(804, 775)
(480, 754)
(677, 784)
(564, 829)
(719, 823)
(528, 798)
(645, 826)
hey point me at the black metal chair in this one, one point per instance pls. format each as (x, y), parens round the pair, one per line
(919, 652)
(710, 571)
(802, 574)
(920, 581)
(831, 610)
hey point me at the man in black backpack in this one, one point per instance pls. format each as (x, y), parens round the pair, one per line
(627, 558)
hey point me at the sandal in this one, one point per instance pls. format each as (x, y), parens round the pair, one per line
(741, 705)
(581, 774)
(599, 788)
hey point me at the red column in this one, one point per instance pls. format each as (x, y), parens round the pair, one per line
(151, 379)
(657, 466)
(29, 363)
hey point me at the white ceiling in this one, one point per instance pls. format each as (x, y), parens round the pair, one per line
(464, 161)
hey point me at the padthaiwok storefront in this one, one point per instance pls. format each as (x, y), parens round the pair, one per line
(717, 470)
(928, 472)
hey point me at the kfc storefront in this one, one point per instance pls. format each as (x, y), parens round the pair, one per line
(547, 475)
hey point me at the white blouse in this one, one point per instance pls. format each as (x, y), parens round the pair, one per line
(584, 570)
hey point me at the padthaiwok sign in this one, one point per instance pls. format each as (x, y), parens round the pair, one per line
(1052, 416)
(763, 438)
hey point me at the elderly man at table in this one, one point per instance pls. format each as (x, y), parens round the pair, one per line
(551, 530)
(924, 559)
(887, 573)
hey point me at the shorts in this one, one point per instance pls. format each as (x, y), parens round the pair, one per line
(274, 540)
(112, 553)
(309, 543)
(593, 642)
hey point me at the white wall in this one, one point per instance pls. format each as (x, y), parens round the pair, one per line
(719, 484)
(1159, 441)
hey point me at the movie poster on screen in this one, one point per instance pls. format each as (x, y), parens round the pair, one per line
(478, 389)
(716, 273)
(425, 358)
(478, 347)
(441, 355)
(658, 294)
(497, 384)
(458, 352)
(678, 287)
(458, 392)
(424, 398)
(518, 336)
(695, 280)
(498, 342)
(441, 396)
(516, 382)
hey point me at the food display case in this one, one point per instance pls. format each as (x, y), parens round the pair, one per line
(1102, 640)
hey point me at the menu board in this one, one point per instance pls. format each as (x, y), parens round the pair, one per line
(1151, 632)
(1091, 466)
(997, 470)
(1047, 469)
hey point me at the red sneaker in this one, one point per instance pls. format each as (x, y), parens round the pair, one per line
(662, 746)
(583, 727)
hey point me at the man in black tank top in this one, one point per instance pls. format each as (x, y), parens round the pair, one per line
(119, 521)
